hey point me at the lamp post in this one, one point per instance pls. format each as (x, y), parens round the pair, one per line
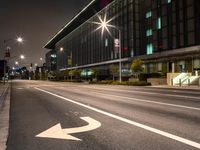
(7, 54)
(120, 57)
(104, 24)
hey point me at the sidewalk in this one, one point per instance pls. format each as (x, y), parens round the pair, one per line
(2, 91)
(4, 114)
(192, 87)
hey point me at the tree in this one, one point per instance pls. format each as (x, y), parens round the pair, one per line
(137, 67)
(76, 73)
(114, 70)
(36, 75)
(66, 74)
(71, 73)
(51, 75)
(44, 76)
(95, 72)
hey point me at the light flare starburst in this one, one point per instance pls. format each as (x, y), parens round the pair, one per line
(104, 24)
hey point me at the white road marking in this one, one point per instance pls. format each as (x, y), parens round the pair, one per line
(20, 88)
(56, 132)
(140, 100)
(148, 101)
(149, 93)
(92, 125)
(148, 128)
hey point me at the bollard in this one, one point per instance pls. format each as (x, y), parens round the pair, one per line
(179, 82)
(172, 84)
(188, 82)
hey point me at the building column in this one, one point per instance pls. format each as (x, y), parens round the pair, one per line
(173, 67)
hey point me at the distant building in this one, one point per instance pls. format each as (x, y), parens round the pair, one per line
(51, 61)
(2, 63)
(163, 33)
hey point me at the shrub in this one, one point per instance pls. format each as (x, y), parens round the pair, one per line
(145, 76)
(75, 81)
(138, 83)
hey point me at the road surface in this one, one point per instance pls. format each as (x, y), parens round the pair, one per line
(66, 116)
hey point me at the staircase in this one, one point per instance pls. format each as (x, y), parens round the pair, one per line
(186, 79)
(181, 77)
(192, 80)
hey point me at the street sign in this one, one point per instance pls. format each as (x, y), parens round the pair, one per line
(117, 43)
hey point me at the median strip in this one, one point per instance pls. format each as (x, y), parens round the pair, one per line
(148, 128)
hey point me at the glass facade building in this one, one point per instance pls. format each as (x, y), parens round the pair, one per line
(163, 33)
(51, 60)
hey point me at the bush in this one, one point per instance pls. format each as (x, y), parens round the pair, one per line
(145, 76)
(75, 81)
(101, 82)
(138, 83)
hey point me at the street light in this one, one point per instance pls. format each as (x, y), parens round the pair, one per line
(7, 54)
(61, 49)
(41, 59)
(22, 57)
(20, 40)
(104, 25)
(16, 63)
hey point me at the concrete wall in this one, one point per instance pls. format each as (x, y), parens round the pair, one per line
(157, 81)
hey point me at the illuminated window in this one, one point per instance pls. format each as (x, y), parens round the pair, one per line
(158, 23)
(149, 49)
(53, 55)
(149, 32)
(106, 42)
(148, 14)
(169, 1)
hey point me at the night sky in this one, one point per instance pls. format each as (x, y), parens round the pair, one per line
(36, 21)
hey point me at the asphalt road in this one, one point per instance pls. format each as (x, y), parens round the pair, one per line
(48, 116)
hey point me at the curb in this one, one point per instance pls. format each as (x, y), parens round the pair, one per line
(189, 88)
(3, 96)
(4, 118)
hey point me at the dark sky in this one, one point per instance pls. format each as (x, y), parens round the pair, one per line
(35, 20)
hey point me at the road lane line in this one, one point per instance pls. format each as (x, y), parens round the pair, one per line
(140, 100)
(149, 93)
(149, 101)
(148, 128)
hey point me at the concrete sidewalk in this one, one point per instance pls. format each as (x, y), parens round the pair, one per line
(178, 87)
(4, 114)
(3, 89)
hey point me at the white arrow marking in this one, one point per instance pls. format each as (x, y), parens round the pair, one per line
(56, 132)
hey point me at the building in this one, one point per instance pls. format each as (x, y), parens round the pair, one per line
(3, 65)
(51, 60)
(163, 33)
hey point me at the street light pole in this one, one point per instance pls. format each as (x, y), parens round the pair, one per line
(5, 62)
(104, 24)
(19, 40)
(120, 57)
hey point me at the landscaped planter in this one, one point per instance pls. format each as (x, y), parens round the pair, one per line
(157, 81)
